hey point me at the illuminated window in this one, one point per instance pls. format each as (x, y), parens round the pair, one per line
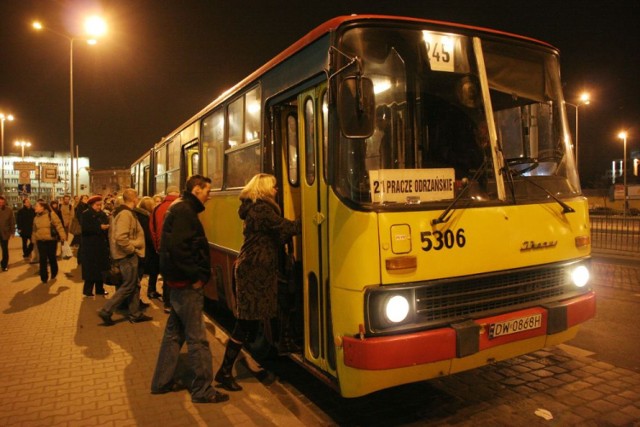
(213, 147)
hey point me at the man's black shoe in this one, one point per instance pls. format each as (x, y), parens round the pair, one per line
(106, 318)
(140, 318)
(169, 388)
(214, 398)
(153, 295)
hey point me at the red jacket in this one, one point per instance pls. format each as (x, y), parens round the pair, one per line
(157, 219)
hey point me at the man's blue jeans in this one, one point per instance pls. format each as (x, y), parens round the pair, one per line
(185, 324)
(130, 287)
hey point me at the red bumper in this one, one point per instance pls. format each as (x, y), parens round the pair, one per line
(401, 351)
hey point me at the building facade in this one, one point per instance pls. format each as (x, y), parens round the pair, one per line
(42, 175)
(110, 181)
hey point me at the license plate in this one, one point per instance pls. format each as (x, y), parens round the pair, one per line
(515, 325)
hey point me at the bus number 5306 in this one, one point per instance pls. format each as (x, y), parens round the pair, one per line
(442, 239)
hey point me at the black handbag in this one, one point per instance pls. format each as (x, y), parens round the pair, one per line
(113, 276)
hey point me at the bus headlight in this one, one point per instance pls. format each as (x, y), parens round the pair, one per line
(388, 309)
(580, 276)
(396, 308)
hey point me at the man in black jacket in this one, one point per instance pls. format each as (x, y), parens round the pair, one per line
(24, 223)
(185, 266)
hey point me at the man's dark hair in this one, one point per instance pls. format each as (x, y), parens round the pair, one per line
(197, 181)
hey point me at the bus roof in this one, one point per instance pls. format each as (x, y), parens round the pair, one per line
(327, 27)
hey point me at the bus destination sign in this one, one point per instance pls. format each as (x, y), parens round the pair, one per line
(411, 185)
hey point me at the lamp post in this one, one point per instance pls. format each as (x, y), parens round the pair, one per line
(623, 135)
(22, 145)
(95, 27)
(3, 117)
(584, 99)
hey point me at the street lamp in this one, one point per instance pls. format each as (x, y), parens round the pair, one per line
(8, 117)
(623, 135)
(22, 145)
(94, 27)
(584, 99)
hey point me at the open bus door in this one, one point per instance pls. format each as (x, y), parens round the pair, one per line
(318, 335)
(299, 129)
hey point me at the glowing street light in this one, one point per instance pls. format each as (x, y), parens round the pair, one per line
(94, 27)
(3, 118)
(623, 136)
(584, 99)
(22, 145)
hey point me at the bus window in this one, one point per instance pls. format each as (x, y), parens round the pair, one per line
(173, 178)
(252, 115)
(161, 164)
(242, 165)
(173, 160)
(236, 123)
(527, 111)
(213, 147)
(243, 146)
(309, 141)
(430, 120)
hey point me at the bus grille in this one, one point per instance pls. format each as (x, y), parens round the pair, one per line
(449, 300)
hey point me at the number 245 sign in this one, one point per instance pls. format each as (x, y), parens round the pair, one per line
(438, 240)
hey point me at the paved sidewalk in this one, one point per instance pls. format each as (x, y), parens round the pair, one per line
(59, 366)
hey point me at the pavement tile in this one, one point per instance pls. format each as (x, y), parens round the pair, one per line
(79, 373)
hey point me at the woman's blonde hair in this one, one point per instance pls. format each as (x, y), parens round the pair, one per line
(260, 187)
(146, 203)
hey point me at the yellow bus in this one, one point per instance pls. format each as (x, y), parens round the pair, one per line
(431, 165)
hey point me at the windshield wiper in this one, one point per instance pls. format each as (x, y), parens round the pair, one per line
(565, 207)
(445, 215)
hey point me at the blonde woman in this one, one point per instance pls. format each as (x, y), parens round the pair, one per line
(265, 231)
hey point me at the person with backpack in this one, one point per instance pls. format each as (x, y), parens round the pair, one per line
(126, 243)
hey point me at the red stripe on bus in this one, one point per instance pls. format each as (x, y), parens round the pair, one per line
(400, 351)
(581, 309)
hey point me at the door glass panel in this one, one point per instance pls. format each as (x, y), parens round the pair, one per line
(325, 133)
(309, 138)
(292, 148)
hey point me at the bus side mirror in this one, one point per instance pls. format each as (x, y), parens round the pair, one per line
(356, 107)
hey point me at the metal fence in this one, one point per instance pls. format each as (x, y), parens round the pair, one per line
(616, 233)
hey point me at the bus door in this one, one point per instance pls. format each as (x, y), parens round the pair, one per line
(318, 349)
(146, 181)
(190, 161)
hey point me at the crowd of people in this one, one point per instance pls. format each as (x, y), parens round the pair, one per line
(162, 236)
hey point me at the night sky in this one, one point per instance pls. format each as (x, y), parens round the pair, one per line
(162, 61)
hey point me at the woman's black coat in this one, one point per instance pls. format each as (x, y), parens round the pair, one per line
(95, 245)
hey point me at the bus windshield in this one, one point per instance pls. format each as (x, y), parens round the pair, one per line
(431, 140)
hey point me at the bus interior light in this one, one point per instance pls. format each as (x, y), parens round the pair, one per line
(580, 276)
(396, 308)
